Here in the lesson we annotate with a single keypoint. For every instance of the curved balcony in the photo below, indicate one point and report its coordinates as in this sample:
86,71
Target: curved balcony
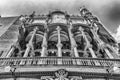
39,66
62,22
41,21
65,61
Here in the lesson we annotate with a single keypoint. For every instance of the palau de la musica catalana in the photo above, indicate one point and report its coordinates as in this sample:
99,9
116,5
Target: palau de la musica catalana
57,46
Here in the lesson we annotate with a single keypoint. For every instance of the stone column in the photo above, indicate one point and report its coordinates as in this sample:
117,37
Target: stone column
30,43
72,41
27,50
103,46
44,45
11,51
89,46
59,45
101,43
115,51
108,53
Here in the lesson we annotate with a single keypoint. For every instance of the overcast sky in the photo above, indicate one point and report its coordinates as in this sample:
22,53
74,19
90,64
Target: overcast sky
108,11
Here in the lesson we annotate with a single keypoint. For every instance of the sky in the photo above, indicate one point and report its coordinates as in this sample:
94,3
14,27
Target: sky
108,11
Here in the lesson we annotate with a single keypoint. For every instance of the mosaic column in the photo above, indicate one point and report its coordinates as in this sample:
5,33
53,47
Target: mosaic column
73,43
89,46
30,44
59,45
100,43
11,51
44,45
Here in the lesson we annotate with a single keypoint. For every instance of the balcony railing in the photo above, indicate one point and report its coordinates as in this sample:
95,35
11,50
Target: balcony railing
58,61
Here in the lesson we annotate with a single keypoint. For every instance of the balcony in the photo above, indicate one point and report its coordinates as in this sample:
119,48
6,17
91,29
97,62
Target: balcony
42,21
40,66
58,61
57,22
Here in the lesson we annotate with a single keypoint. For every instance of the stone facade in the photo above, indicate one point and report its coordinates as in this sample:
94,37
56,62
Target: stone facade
57,46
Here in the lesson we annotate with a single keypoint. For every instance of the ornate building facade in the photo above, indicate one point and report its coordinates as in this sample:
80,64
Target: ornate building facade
57,46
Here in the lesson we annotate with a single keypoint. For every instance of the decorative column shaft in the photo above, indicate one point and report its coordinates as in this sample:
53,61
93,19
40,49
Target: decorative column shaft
100,43
59,45
88,43
72,40
114,53
30,44
44,45
108,53
11,51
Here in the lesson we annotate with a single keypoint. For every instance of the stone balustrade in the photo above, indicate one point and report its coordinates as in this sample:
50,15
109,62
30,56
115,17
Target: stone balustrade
54,61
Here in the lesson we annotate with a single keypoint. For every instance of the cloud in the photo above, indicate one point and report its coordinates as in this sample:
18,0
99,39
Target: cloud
106,10
114,12
10,7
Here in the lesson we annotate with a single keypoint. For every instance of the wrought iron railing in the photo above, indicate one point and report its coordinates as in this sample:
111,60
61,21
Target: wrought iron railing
58,61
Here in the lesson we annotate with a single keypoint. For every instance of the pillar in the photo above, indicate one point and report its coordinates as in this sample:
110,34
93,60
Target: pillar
114,53
29,45
72,41
44,45
108,53
101,43
10,51
59,45
88,43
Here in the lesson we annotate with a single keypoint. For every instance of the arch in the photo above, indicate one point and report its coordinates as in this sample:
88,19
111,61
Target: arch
63,32
54,37
55,32
78,37
54,26
39,32
41,27
38,37
35,24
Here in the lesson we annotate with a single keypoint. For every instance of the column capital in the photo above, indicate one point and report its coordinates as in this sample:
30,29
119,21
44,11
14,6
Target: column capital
35,29
29,45
58,28
69,28
59,45
44,45
81,29
74,45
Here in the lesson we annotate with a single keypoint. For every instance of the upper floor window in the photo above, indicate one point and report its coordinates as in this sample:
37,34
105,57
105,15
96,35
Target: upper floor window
58,19
82,21
39,21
